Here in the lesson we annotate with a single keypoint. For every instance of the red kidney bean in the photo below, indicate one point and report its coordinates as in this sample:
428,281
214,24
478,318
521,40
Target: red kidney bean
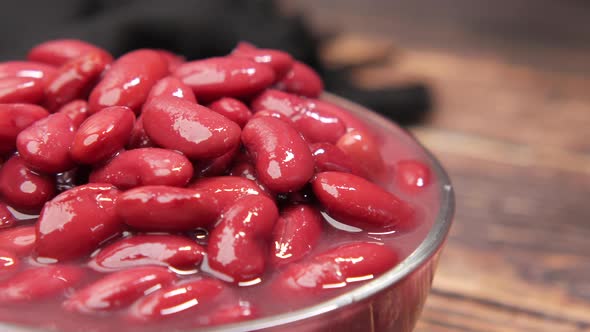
302,80
233,313
13,119
77,221
40,283
226,189
143,167
328,157
295,234
329,109
119,289
163,208
337,268
30,69
281,156
232,109
278,101
19,240
21,90
58,52
173,300
171,86
24,189
238,244
280,62
7,220
214,78
361,147
139,250
173,60
355,201
411,175
76,110
217,166
311,122
272,114
192,129
246,170
45,145
9,263
138,138
102,135
76,78
128,81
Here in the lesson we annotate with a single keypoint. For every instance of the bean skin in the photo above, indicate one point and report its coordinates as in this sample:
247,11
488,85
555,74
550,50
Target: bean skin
128,81
314,124
7,220
140,250
30,69
173,60
329,157
336,268
14,118
233,313
40,283
19,240
76,78
171,86
219,77
280,62
295,234
355,201
238,244
411,176
139,138
102,135
77,110
169,209
118,290
217,166
21,90
362,147
226,189
144,167
24,189
232,109
281,156
77,221
302,80
174,300
45,145
59,51
9,263
192,129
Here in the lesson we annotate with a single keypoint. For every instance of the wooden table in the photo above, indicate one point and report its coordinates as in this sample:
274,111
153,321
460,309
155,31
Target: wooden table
512,126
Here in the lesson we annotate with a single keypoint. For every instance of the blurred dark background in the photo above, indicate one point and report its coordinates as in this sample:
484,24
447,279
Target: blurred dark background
497,90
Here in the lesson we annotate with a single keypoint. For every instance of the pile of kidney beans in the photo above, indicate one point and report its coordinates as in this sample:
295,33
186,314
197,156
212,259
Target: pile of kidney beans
167,188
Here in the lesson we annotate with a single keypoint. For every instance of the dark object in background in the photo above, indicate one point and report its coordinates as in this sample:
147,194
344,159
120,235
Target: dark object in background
195,29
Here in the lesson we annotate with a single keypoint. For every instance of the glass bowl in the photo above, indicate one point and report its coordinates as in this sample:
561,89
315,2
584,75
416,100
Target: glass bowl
390,302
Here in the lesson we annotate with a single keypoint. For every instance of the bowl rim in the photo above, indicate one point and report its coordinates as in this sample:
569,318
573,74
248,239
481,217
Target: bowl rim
428,247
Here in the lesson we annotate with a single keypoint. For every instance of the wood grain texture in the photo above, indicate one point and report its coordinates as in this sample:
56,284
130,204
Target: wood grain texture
512,127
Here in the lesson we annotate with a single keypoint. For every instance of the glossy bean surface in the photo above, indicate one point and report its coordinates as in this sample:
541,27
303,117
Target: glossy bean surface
21,90
145,167
192,129
232,109
281,156
19,240
355,201
164,208
128,81
77,221
39,283
102,135
45,145
14,118
58,52
24,189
